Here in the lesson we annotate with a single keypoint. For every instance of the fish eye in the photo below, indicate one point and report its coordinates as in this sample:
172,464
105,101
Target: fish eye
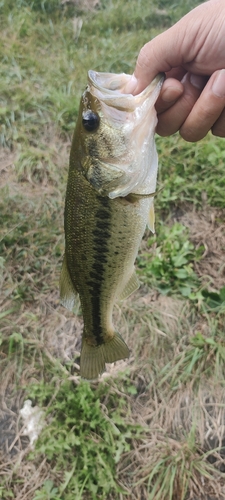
90,121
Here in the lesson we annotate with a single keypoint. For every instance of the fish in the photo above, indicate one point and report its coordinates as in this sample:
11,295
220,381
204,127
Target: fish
109,201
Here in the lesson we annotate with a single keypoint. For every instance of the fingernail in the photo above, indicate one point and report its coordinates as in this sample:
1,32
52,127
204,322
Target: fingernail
131,85
218,86
197,81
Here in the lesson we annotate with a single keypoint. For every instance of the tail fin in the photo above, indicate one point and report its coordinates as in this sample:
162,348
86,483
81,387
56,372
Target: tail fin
93,359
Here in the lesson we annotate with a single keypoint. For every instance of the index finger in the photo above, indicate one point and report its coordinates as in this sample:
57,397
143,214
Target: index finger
158,55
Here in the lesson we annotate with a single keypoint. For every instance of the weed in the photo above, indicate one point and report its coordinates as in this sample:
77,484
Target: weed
47,492
190,173
214,300
81,435
170,266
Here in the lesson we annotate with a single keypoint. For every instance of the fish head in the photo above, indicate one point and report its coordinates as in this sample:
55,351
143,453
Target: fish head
116,135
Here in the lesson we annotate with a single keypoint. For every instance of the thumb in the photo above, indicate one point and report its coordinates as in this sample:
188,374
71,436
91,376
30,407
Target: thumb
176,47
159,55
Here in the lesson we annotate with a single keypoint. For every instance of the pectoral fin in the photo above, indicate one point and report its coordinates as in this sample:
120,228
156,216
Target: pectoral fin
67,290
130,287
151,218
133,197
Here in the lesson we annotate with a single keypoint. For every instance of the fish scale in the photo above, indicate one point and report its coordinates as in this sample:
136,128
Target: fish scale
102,232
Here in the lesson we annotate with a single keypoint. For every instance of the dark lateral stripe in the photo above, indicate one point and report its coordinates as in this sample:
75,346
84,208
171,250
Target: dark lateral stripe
101,234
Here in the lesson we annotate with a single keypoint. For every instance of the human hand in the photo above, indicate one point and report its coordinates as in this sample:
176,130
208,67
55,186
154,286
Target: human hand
192,54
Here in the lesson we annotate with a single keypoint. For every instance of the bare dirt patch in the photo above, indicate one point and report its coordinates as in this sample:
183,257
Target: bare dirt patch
207,228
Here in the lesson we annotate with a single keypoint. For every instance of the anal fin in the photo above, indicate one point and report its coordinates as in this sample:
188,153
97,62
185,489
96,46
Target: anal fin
131,286
67,290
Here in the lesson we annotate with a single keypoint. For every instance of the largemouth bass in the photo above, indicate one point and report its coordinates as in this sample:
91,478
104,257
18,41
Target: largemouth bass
109,201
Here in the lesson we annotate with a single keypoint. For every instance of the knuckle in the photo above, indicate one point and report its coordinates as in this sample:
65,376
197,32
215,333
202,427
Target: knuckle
143,58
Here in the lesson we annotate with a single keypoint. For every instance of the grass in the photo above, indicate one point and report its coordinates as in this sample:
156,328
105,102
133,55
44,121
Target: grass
193,171
170,266
153,426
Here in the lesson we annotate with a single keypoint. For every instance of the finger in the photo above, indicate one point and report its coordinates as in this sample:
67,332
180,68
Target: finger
171,120
218,128
177,73
176,47
171,91
160,55
207,110
155,57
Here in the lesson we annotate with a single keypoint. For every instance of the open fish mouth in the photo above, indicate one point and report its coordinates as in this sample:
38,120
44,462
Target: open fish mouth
108,87
134,117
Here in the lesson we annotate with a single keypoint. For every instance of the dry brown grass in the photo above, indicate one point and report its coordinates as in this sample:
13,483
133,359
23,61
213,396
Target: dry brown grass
84,5
181,423
207,228
155,327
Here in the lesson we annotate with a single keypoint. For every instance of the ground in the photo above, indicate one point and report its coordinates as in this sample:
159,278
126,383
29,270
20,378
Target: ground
154,423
